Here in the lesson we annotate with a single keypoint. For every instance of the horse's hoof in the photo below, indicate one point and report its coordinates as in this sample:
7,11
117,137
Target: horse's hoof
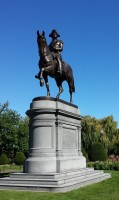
57,97
71,102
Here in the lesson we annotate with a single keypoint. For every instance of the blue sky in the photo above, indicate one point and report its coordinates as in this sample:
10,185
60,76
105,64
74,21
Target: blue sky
90,31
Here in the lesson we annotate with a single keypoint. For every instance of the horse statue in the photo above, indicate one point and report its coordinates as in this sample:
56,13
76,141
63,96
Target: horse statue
48,67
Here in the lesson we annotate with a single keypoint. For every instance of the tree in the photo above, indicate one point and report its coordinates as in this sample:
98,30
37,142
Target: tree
13,131
109,126
114,144
90,133
110,137
23,135
8,128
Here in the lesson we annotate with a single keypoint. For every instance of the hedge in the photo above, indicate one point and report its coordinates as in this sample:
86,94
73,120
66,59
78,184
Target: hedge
19,158
97,152
106,165
4,159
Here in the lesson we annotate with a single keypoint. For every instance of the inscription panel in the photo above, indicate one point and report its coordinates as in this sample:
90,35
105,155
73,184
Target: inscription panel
69,138
43,137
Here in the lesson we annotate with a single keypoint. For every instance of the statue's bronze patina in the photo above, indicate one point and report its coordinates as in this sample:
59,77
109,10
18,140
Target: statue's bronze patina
51,63
56,46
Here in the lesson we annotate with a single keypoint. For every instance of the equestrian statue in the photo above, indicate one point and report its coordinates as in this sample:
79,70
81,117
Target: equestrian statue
51,63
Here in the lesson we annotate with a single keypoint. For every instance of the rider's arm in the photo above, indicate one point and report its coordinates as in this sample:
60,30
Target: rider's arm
59,46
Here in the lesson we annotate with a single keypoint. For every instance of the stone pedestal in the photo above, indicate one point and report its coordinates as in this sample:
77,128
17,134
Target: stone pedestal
55,137
55,162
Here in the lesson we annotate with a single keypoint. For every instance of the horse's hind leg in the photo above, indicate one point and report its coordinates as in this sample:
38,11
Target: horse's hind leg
47,85
60,91
70,96
48,89
70,91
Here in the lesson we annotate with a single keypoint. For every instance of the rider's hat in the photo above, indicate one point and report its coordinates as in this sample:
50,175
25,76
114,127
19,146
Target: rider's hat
54,34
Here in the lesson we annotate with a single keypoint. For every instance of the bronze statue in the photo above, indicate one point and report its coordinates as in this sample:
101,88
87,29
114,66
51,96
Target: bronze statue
51,64
56,46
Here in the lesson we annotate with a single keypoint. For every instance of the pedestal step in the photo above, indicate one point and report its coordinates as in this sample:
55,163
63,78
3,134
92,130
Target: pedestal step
57,182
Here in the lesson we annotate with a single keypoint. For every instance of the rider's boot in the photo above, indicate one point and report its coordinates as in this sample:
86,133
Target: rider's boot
59,70
37,76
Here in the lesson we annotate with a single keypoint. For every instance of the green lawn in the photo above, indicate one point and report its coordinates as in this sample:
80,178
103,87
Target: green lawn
5,170
9,168
105,190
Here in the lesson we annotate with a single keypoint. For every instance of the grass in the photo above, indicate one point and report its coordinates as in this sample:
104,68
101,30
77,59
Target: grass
105,190
9,168
6,169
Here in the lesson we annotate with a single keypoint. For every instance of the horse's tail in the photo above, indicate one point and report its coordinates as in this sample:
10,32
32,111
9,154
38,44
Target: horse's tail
71,83
73,86
69,76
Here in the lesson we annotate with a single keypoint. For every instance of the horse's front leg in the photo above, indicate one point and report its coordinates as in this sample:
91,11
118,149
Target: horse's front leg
40,77
47,85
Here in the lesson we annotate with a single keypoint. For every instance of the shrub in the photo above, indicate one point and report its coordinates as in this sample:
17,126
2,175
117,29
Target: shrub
19,158
106,165
85,154
97,152
117,150
4,159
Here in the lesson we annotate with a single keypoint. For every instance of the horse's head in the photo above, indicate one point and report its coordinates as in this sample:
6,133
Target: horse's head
42,46
41,39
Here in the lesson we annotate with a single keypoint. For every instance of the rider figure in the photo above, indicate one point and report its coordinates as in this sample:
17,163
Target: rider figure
56,46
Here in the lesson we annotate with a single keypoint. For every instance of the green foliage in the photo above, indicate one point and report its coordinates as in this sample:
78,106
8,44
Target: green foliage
106,165
14,131
114,150
97,152
117,150
19,158
23,135
103,130
85,154
109,126
89,132
4,159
